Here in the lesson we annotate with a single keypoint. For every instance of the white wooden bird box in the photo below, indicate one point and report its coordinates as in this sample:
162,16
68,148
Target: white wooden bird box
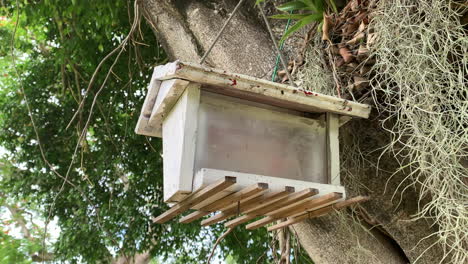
216,124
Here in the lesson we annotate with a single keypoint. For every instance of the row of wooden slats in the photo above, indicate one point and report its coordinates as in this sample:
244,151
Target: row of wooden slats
256,201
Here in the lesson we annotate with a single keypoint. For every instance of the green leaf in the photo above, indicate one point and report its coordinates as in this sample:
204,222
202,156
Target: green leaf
310,4
289,16
333,5
292,6
259,2
319,5
319,27
302,23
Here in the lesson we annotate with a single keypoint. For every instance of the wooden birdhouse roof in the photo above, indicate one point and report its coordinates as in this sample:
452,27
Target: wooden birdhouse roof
170,80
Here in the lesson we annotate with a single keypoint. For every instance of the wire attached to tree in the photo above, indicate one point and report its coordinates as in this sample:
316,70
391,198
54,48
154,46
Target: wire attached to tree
221,31
283,61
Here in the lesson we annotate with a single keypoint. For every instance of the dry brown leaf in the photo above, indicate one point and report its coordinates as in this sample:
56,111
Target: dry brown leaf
347,8
334,50
371,38
360,83
345,54
354,5
362,52
351,67
362,27
350,27
362,17
365,69
357,38
327,24
338,21
339,62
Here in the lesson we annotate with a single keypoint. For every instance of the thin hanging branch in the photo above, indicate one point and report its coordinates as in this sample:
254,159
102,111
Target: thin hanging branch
217,242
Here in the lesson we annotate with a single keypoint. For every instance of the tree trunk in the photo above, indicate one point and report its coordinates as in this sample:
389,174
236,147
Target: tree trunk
381,230
139,258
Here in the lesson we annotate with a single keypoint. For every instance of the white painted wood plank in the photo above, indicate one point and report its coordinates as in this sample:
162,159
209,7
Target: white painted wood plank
206,176
333,149
142,127
153,88
169,93
267,91
179,140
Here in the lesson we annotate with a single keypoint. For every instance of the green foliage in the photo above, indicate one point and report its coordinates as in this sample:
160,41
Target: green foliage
13,250
13,247
114,183
310,11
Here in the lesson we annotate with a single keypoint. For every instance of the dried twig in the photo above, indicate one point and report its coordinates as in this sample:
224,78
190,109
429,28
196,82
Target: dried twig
217,242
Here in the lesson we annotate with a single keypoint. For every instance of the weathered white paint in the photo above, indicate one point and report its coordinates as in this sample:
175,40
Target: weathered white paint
179,140
333,148
171,93
144,127
236,85
265,91
153,88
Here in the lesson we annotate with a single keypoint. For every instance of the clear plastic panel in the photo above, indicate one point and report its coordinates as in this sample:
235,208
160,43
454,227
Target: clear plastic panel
242,136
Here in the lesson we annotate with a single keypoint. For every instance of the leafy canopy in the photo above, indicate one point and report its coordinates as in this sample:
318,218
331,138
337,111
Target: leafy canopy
104,196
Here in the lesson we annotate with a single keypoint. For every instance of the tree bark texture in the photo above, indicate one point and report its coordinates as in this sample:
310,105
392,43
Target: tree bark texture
139,258
380,230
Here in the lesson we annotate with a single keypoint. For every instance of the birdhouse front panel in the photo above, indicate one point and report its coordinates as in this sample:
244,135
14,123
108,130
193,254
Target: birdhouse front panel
243,136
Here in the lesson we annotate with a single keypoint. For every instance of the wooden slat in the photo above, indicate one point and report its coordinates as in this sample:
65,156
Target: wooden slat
249,204
206,176
247,192
179,144
333,149
313,204
168,95
319,212
195,198
304,205
252,88
292,198
143,126
271,206
242,206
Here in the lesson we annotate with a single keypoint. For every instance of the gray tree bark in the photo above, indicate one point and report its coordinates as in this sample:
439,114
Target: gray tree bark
139,258
380,231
